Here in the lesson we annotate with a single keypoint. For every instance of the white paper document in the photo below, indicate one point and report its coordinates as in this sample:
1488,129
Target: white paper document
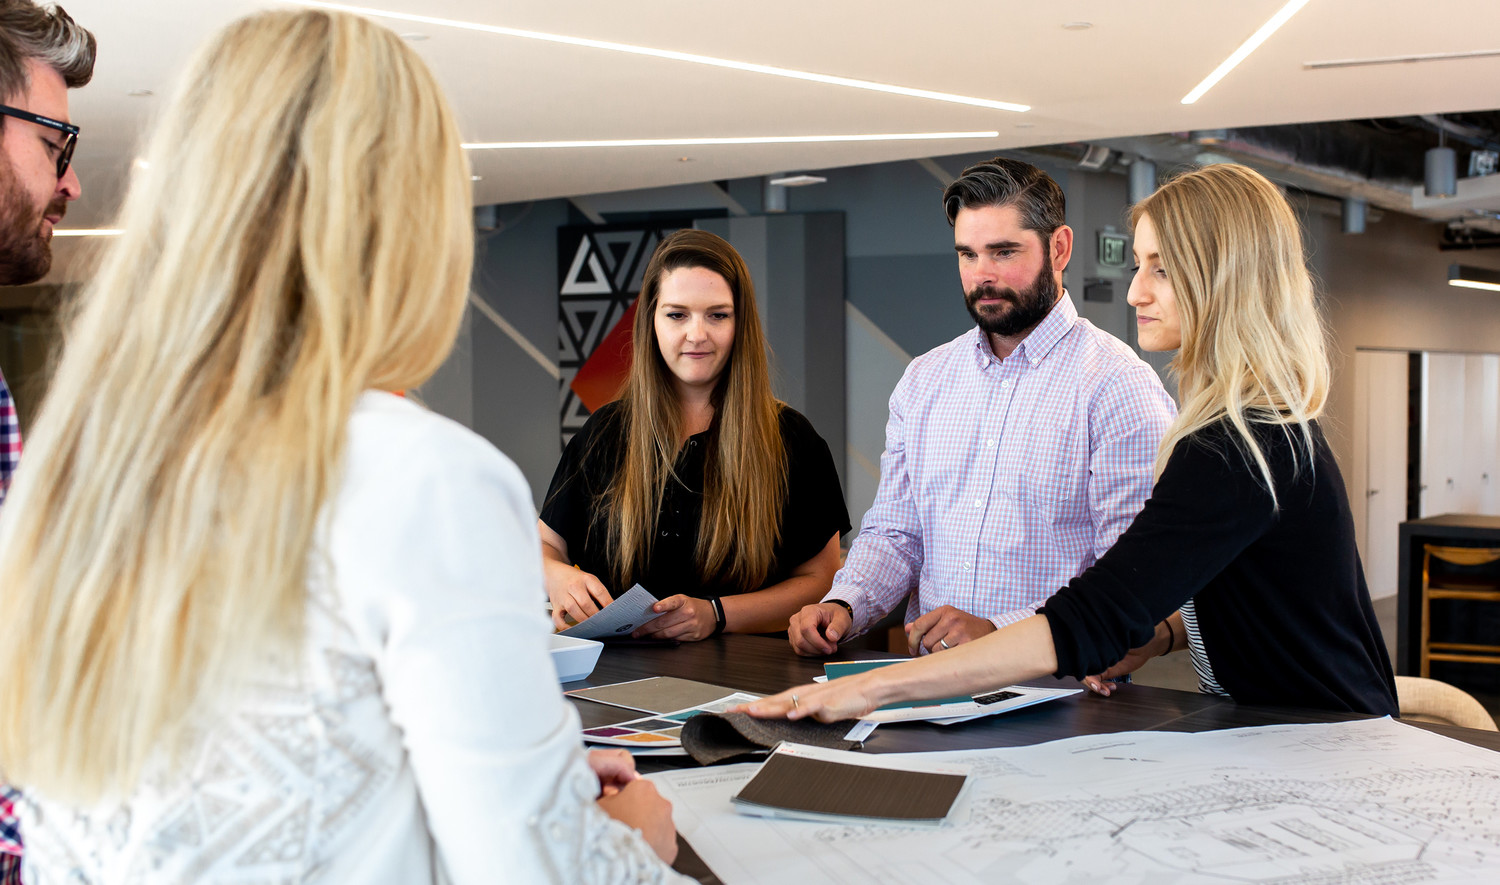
619,618
954,711
988,704
1371,802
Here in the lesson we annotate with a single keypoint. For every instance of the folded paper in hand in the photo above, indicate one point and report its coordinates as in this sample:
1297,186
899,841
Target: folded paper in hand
620,618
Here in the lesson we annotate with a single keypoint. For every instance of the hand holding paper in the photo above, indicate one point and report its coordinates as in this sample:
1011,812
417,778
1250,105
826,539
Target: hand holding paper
680,617
575,594
619,618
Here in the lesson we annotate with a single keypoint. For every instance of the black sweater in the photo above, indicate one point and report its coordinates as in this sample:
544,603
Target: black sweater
813,511
1283,610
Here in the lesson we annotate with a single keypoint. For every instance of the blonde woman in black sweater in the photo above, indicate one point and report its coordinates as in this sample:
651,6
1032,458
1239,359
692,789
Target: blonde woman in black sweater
1248,530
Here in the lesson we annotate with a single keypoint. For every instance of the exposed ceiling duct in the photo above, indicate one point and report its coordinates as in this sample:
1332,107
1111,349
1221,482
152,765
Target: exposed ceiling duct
1380,162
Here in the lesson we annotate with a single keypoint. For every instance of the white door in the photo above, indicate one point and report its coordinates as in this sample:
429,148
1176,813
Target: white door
1443,427
1481,468
1377,488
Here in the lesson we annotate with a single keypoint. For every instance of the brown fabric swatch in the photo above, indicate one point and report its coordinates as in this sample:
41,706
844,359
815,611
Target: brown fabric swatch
825,789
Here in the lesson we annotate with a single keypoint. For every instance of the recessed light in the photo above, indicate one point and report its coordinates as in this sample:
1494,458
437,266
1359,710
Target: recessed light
476,178
1077,26
140,93
673,55
413,37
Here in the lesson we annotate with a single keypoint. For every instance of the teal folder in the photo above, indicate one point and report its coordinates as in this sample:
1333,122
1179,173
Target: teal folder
849,668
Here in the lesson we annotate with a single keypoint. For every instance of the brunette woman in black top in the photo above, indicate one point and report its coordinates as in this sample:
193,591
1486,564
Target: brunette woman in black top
1248,529
697,483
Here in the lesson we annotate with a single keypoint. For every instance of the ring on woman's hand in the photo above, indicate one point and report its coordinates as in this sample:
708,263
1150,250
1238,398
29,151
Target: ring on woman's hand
944,643
794,702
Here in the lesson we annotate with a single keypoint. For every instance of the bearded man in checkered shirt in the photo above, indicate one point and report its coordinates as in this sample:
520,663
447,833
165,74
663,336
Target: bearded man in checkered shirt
43,54
1015,454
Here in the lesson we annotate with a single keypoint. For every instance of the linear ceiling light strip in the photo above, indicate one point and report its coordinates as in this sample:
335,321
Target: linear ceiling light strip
1249,46
693,142
1399,59
750,67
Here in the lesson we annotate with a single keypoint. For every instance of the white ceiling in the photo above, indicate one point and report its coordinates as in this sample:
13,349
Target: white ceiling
1123,76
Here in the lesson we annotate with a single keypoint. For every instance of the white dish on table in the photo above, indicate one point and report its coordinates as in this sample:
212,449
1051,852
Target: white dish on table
574,658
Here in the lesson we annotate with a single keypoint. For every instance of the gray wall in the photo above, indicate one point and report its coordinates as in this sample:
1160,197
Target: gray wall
1383,289
796,261
898,297
1388,288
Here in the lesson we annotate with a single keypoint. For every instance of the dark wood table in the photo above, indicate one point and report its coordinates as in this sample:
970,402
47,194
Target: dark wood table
1450,529
764,666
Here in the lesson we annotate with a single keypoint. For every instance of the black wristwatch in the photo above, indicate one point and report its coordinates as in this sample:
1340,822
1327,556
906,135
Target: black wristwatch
719,619
846,606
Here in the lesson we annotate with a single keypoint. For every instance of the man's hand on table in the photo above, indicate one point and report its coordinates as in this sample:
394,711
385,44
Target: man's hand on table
943,628
817,628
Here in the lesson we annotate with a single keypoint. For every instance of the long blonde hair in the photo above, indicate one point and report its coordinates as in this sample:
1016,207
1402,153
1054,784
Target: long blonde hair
301,235
744,480
1253,346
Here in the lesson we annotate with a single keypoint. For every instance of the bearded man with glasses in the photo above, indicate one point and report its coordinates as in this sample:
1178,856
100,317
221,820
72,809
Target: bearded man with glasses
43,54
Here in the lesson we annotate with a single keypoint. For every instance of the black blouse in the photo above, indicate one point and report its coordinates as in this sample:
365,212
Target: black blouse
1282,605
814,509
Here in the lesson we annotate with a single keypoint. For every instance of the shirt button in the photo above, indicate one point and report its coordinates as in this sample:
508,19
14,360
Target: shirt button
967,566
990,443
979,503
1005,383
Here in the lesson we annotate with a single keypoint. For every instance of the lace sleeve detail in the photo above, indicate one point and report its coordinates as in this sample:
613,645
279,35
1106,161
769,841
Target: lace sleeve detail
581,845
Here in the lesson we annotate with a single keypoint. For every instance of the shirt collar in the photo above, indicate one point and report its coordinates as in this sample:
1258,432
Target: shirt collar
1035,346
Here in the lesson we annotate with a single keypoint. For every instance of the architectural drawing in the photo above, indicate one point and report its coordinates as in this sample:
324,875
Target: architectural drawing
1356,803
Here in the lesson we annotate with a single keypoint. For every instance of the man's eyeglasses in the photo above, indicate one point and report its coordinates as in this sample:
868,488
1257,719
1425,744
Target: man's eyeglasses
65,156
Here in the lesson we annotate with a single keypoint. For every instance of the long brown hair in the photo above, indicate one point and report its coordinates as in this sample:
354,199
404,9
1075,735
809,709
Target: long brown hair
744,477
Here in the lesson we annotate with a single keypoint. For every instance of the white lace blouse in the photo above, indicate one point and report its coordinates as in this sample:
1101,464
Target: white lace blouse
421,738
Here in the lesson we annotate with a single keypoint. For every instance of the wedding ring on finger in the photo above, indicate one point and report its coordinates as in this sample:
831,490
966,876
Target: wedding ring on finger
794,702
944,644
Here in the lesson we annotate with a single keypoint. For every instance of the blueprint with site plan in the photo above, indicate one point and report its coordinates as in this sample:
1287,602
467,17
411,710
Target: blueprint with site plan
1372,802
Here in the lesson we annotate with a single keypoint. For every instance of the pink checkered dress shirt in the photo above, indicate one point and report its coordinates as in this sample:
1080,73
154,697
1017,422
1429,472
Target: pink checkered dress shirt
10,438
1001,480
10,829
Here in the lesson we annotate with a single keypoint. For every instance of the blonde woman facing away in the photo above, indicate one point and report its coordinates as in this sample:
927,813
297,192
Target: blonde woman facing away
1248,529
697,483
262,622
